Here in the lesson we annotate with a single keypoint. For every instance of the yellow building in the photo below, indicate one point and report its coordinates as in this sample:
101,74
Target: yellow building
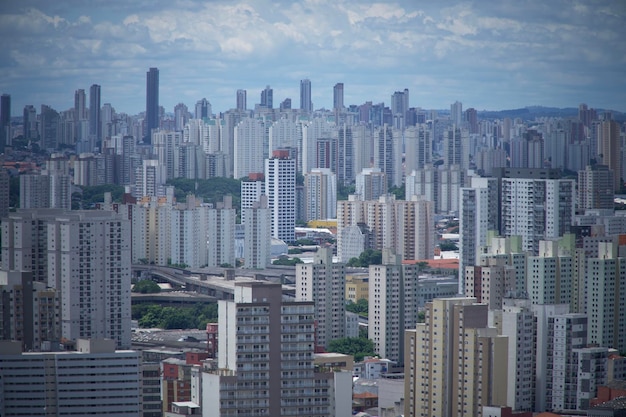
357,286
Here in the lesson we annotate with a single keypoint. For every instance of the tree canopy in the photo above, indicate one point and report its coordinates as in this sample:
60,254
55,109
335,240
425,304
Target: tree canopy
359,347
367,258
360,307
156,316
287,262
146,286
212,190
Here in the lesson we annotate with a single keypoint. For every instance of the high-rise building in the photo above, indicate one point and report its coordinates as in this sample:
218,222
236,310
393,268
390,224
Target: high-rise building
392,305
221,233
85,256
256,220
456,113
95,125
29,310
189,234
338,96
344,162
406,227
321,194
249,140
242,101
306,104
150,179
520,199
606,296
80,116
59,383
5,191
30,122
152,104
388,153
45,191
49,127
399,108
596,188
371,183
5,120
418,144
455,363
477,215
203,109
280,188
609,145
267,97
265,361
324,283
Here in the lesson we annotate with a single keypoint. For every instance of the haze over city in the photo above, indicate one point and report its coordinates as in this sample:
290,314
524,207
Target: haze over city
489,56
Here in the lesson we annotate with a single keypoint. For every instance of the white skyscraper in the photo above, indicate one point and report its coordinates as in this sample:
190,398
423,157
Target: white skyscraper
520,199
280,188
371,183
388,153
257,234
324,283
321,194
418,147
456,113
393,305
251,192
249,147
150,179
221,234
189,234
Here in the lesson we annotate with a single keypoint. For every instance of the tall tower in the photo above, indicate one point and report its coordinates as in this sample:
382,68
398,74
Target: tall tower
280,188
152,103
324,283
338,96
203,109
455,362
305,96
267,97
242,100
456,113
257,233
399,107
596,188
95,129
5,120
609,149
265,361
321,194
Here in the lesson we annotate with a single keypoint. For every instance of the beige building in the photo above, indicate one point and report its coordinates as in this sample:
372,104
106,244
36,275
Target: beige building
357,287
450,361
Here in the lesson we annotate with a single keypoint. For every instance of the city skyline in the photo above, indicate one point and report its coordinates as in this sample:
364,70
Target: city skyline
485,56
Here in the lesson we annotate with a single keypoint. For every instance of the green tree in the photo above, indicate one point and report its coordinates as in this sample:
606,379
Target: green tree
448,246
358,347
212,190
360,307
343,191
287,262
367,258
146,286
399,192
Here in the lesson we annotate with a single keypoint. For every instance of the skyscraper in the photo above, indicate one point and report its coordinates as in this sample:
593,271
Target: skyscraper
203,109
30,122
456,113
152,103
241,100
265,361
609,149
267,97
455,363
95,130
280,188
399,107
305,95
321,194
595,188
338,96
5,120
324,283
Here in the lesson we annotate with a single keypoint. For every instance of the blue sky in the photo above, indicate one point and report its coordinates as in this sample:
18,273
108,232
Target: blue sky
488,55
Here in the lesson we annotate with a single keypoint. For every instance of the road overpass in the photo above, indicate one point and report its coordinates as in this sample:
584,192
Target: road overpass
215,282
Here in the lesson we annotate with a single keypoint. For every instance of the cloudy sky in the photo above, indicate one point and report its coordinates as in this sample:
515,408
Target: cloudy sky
488,55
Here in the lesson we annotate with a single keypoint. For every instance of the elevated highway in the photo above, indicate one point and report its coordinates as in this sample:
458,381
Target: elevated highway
217,282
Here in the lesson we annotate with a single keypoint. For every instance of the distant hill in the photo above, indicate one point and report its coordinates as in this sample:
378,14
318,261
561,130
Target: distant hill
532,112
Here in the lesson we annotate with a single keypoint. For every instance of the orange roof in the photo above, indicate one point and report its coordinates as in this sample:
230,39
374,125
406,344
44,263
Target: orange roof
436,263
365,395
